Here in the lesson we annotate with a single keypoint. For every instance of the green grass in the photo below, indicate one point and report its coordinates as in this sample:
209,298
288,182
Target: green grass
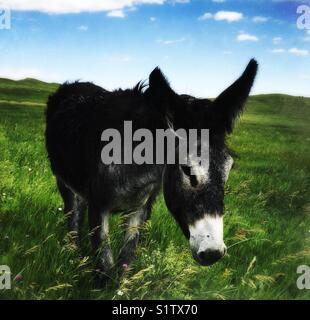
266,221
28,90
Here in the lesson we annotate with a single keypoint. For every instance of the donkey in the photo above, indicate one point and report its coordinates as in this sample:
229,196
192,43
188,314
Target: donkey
76,116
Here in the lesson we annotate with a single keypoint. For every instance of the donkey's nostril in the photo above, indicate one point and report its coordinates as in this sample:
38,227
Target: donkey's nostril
201,255
209,257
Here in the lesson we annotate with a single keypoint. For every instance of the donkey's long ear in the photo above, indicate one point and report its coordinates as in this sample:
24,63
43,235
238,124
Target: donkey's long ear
159,87
229,104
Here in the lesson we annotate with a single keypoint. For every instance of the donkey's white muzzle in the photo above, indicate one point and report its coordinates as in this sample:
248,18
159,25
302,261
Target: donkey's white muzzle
206,239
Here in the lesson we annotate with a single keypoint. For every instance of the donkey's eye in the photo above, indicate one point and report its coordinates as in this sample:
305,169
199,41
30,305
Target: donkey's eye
186,170
192,178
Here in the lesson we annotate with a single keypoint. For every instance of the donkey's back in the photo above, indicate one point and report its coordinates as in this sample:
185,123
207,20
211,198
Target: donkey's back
76,116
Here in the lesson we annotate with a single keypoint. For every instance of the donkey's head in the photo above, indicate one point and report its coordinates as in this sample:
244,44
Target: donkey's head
194,194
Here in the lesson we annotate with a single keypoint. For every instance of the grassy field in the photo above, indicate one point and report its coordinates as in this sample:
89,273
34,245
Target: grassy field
267,216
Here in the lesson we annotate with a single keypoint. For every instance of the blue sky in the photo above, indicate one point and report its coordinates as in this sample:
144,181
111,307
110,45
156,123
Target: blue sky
201,45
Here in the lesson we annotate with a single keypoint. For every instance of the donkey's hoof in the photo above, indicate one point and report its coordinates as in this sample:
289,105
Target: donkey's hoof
123,267
102,277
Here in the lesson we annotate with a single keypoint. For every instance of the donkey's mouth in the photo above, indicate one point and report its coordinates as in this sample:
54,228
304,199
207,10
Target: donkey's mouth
208,257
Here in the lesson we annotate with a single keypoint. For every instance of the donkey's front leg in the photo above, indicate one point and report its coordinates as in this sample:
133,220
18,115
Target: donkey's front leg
99,232
133,223
128,251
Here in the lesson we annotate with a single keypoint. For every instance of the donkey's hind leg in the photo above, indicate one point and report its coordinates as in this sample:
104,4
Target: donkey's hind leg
74,209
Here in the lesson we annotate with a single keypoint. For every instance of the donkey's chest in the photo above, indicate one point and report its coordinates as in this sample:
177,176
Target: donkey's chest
132,192
129,201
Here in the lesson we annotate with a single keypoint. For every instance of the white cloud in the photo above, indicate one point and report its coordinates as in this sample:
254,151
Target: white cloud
168,42
294,51
20,73
260,19
153,19
246,37
278,51
82,28
299,52
218,1
276,40
229,16
74,6
206,16
116,14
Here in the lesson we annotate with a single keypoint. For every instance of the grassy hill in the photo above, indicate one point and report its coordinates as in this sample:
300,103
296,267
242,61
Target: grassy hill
266,221
26,90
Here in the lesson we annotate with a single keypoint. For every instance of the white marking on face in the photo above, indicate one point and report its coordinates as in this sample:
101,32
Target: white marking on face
200,172
207,234
227,167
